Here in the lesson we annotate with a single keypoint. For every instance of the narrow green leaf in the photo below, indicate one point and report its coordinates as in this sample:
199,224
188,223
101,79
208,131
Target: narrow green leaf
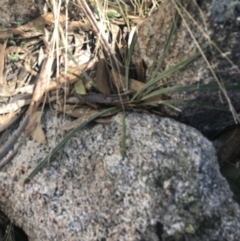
112,16
189,88
166,47
63,142
165,74
123,13
187,102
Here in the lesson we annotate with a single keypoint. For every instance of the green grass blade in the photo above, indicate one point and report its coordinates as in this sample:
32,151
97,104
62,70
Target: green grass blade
187,102
165,74
64,141
166,47
123,140
124,14
9,233
189,88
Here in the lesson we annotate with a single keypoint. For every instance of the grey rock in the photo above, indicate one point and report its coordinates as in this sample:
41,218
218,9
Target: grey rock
214,26
223,11
18,12
168,187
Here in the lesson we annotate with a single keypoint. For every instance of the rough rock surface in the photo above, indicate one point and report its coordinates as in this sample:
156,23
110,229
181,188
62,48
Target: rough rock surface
167,188
213,27
15,12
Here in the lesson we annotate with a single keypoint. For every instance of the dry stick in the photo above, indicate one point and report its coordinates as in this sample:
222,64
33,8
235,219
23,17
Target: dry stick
11,141
14,119
41,87
87,11
9,158
42,82
13,154
2,54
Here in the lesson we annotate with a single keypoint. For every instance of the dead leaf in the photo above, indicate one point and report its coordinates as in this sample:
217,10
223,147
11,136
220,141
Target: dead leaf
103,120
40,22
84,113
101,79
120,82
74,111
8,33
33,28
37,132
78,25
38,135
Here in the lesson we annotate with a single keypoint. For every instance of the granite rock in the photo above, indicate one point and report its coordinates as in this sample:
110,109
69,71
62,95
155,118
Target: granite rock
168,187
18,12
206,26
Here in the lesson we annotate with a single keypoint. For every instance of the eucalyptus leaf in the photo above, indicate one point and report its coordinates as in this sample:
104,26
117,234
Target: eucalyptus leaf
79,87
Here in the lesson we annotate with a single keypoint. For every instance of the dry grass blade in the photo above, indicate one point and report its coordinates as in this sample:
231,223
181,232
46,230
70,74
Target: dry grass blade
110,54
43,78
11,141
221,86
8,119
14,105
2,54
124,14
79,68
